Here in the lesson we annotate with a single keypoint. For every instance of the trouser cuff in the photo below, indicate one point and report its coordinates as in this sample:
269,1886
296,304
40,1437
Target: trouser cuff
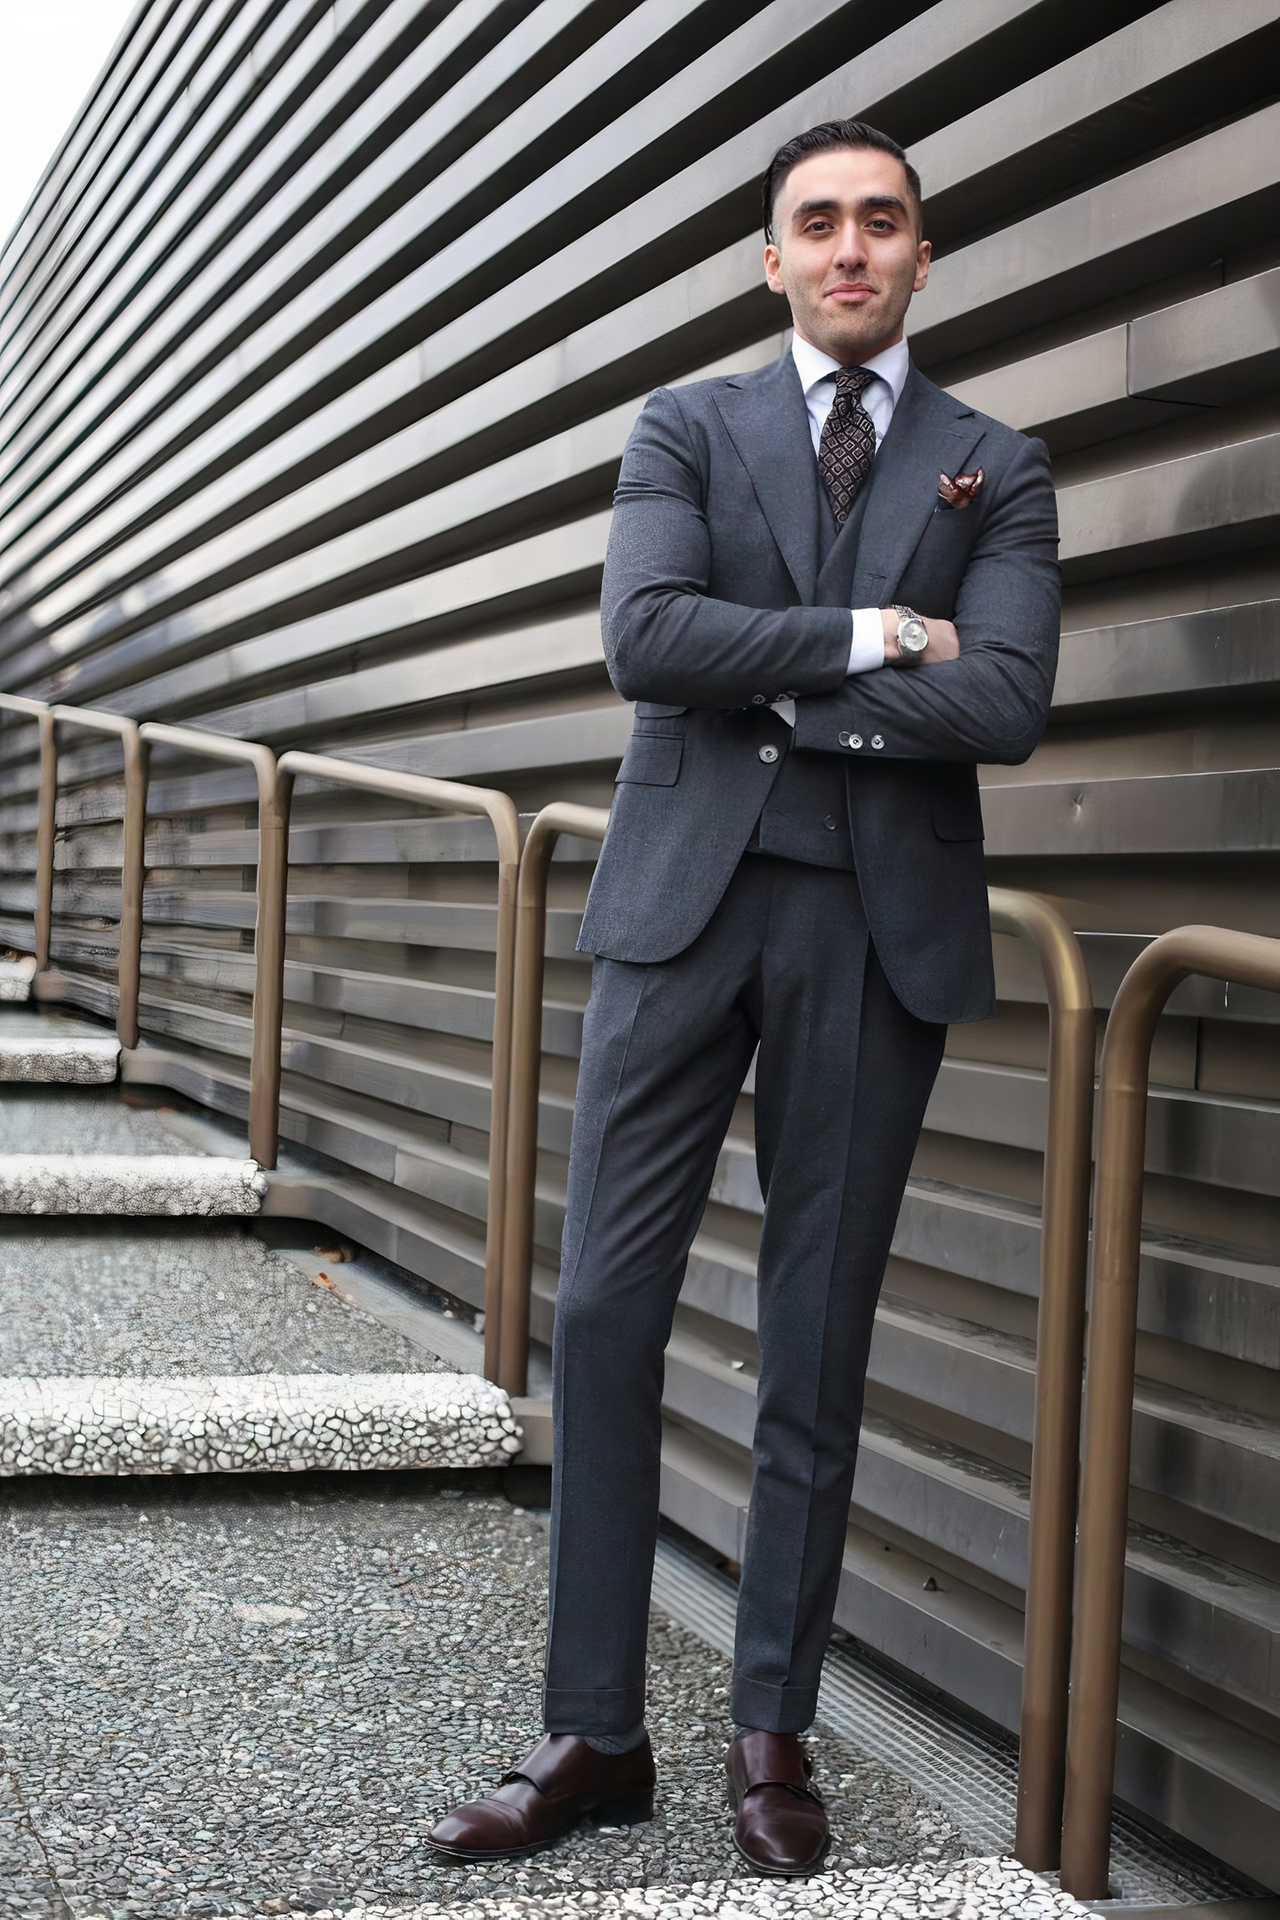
753,1703
591,1710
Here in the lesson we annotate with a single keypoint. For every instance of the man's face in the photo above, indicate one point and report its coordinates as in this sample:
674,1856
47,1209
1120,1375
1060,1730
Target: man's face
846,251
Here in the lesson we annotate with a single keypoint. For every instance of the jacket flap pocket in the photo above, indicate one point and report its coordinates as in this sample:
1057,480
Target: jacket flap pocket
957,806
652,760
654,710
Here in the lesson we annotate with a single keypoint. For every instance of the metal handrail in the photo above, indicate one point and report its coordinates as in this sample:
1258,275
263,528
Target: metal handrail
452,797
589,823
133,871
268,985
1064,1252
46,817
1244,959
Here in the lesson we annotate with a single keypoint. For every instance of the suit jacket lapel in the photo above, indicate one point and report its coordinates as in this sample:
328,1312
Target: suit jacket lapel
766,418
930,434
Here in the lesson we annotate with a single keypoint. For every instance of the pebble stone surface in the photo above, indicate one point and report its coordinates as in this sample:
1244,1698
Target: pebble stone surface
162,1298
992,1889
253,1423
255,1695
68,1062
129,1183
82,1150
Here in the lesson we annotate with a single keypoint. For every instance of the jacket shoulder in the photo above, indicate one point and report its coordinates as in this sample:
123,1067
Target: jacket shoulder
697,399
1001,441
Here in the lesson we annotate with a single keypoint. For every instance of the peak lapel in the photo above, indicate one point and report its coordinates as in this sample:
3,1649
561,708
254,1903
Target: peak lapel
766,418
930,434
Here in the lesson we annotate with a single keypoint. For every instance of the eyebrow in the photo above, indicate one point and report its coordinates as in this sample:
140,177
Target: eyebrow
873,202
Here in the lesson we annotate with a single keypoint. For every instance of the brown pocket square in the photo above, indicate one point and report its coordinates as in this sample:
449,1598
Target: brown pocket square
962,490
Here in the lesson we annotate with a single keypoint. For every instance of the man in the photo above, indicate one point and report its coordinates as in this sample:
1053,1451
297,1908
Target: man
793,871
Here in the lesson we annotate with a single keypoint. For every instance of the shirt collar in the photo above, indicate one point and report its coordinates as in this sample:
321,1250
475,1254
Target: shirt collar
813,366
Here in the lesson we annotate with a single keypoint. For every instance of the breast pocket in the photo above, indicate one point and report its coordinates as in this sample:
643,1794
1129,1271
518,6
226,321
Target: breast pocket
652,760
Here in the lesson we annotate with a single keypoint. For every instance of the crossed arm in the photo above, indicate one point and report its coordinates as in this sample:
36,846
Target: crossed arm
668,640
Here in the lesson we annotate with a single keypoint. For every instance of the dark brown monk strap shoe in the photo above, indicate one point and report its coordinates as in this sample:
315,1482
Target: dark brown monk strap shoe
781,1826
562,1780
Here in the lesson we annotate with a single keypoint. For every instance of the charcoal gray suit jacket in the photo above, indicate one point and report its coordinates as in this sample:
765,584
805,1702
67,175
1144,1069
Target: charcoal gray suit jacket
717,602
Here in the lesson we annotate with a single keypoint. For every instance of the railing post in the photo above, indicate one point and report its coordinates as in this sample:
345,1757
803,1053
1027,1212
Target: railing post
1249,960
46,818
268,988
1064,1249
46,839
452,797
526,1063
133,872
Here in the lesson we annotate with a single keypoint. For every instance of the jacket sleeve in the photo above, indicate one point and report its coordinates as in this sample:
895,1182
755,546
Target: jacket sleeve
666,638
992,702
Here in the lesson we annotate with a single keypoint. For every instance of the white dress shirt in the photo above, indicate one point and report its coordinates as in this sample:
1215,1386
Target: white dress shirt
818,373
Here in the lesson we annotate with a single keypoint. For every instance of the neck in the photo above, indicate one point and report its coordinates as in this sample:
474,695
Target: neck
848,356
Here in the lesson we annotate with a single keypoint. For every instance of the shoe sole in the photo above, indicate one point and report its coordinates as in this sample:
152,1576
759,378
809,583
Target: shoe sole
628,1811
782,1873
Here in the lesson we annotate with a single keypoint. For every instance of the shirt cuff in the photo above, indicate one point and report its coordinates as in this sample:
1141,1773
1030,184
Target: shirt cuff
866,650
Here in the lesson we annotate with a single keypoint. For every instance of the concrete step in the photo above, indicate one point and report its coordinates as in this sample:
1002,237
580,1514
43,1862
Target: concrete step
246,1423
122,1183
48,1048
1178,1763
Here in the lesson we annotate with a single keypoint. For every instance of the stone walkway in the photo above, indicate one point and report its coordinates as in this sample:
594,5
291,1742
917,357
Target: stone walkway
233,1696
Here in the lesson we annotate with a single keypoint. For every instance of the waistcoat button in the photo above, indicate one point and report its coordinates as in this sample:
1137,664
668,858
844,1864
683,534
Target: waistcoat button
768,755
758,700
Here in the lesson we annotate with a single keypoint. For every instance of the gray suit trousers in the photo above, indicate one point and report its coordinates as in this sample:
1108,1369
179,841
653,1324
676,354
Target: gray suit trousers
842,1079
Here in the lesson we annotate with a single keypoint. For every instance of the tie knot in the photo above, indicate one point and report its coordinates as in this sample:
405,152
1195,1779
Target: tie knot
851,383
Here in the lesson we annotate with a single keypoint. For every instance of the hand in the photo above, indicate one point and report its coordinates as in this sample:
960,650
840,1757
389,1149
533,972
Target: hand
944,641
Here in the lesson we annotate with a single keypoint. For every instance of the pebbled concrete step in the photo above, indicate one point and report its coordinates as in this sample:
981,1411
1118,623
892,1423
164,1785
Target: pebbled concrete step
123,1183
43,1048
247,1423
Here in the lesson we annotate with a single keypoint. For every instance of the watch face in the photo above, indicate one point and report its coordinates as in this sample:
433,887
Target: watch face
913,636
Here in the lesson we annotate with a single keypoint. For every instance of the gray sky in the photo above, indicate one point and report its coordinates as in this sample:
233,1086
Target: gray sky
52,53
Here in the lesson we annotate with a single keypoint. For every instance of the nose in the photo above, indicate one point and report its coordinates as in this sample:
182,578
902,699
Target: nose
852,252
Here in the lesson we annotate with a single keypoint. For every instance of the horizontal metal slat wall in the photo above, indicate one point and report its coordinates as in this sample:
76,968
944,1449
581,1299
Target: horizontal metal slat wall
319,344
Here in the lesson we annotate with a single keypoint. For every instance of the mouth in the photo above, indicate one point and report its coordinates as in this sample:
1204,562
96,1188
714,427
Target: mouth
851,293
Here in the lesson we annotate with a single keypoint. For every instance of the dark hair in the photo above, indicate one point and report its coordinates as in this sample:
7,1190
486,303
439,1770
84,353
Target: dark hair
827,138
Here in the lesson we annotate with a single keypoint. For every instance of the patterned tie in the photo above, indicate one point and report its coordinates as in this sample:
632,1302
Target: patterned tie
848,444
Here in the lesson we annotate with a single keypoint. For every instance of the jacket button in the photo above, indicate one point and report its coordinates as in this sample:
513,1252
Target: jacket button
758,700
768,755
855,739
877,739
830,823
844,739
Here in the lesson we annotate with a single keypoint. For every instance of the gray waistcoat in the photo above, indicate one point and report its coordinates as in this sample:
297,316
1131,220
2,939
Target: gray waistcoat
806,816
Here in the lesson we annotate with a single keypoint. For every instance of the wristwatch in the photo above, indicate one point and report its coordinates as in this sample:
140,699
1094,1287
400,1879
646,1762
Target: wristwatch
913,636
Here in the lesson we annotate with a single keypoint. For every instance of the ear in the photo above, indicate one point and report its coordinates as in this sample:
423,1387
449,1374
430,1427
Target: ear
773,268
924,254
